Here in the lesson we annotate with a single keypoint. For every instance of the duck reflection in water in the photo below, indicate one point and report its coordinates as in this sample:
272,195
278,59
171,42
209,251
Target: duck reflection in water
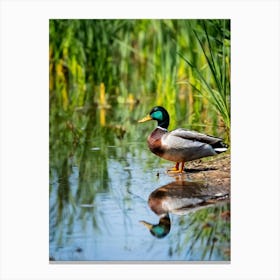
161,229
180,197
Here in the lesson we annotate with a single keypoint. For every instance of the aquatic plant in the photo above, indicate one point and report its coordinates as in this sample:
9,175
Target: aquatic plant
211,76
138,60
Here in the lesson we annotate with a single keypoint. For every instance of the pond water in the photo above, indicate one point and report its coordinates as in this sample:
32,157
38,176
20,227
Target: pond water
101,177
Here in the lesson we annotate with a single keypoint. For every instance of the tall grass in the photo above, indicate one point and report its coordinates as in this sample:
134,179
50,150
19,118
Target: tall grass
183,65
212,73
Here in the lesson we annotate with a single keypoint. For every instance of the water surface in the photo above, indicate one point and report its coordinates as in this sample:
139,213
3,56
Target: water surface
101,176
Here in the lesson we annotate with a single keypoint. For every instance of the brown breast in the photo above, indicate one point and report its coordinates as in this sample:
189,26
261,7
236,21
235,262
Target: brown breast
154,141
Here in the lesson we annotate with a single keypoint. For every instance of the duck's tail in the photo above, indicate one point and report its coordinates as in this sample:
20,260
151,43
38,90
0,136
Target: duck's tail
219,147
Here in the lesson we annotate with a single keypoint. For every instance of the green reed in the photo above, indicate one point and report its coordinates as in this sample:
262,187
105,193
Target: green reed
211,75
181,64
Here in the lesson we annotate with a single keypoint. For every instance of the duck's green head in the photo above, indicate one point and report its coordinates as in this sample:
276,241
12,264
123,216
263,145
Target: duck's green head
159,114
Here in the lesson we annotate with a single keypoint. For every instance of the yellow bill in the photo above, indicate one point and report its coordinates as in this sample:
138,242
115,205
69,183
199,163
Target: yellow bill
147,118
147,225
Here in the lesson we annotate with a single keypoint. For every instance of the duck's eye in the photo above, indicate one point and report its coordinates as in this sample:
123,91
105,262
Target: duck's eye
157,115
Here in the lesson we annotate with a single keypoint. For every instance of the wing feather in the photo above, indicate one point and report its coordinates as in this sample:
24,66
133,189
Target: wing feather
194,136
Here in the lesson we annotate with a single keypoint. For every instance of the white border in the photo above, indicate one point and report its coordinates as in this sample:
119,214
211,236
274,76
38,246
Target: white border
24,138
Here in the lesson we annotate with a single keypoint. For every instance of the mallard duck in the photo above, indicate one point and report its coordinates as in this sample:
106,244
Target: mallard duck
179,145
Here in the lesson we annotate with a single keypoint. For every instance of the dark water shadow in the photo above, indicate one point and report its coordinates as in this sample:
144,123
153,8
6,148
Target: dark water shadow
196,170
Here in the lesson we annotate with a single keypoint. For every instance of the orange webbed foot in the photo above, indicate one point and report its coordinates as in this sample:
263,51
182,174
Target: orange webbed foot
176,168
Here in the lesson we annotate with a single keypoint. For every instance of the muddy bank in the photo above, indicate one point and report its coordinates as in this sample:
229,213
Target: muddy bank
213,173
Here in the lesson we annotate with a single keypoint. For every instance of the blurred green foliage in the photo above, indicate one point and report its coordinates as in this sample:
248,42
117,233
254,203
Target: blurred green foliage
184,62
